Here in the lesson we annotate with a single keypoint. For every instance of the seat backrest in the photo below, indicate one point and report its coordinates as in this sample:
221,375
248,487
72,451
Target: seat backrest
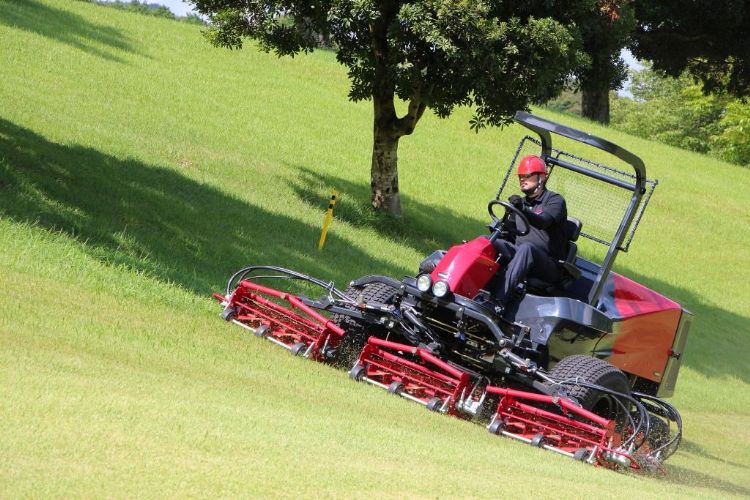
573,228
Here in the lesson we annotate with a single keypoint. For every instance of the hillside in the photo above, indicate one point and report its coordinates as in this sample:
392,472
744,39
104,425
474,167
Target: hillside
140,167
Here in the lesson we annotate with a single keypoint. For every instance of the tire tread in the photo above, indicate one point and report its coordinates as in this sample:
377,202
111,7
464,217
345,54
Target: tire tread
357,331
591,370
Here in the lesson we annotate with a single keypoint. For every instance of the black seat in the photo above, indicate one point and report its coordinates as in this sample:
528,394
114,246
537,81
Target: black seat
570,272
573,228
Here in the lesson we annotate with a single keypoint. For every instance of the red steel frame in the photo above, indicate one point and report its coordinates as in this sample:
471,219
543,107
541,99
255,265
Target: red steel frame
282,324
425,378
568,432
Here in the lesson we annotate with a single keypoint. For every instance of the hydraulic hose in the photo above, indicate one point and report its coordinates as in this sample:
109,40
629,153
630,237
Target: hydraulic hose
285,274
643,417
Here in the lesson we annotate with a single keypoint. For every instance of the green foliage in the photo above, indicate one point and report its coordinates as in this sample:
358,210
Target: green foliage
148,10
437,53
732,143
603,39
672,111
705,37
140,8
568,101
675,111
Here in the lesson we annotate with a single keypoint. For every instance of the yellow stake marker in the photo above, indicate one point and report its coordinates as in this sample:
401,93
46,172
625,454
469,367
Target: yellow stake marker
327,221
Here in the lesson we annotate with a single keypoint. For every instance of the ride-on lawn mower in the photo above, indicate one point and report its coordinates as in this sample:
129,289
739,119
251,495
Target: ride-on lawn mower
579,366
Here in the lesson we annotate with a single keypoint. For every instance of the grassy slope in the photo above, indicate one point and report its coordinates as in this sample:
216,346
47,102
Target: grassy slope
139,167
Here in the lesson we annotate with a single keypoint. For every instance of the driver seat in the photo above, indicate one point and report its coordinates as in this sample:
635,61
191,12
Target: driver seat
570,272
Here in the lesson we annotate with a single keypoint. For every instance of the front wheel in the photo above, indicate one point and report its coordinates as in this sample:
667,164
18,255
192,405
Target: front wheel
356,331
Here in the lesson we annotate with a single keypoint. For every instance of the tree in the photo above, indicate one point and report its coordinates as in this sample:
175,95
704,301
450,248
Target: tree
669,110
676,111
733,141
437,54
709,38
605,33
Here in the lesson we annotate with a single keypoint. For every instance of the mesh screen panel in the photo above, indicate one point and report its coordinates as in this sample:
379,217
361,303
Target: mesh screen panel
598,204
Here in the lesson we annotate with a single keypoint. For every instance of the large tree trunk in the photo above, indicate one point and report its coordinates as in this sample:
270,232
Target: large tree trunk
384,172
384,169
595,103
387,130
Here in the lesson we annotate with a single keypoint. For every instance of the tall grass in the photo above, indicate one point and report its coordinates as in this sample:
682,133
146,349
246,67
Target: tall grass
139,167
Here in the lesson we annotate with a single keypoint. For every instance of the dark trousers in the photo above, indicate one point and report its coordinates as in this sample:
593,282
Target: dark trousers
523,261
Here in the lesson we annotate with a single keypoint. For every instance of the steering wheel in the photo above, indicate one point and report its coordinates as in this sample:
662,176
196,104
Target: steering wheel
510,209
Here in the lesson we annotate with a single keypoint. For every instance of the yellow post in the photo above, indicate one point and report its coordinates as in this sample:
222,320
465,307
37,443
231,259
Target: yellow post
327,221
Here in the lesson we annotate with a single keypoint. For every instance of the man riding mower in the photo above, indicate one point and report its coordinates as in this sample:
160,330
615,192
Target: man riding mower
569,355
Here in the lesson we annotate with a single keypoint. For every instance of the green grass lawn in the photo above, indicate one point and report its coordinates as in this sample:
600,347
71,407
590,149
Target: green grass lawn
140,167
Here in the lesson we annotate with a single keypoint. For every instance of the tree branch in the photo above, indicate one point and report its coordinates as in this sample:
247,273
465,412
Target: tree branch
417,106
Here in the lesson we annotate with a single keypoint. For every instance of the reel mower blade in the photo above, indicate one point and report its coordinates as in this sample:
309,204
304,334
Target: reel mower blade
415,374
573,432
281,318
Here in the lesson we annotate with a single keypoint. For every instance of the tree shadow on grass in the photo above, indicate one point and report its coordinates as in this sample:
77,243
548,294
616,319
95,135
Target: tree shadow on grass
65,27
424,228
155,220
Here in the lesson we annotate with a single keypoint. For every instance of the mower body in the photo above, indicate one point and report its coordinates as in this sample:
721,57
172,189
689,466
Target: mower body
467,268
634,328
580,366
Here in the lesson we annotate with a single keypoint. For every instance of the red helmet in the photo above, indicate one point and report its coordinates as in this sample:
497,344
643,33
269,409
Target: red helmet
531,164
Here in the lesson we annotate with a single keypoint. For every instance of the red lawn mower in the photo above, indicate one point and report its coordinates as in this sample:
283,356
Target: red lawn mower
579,366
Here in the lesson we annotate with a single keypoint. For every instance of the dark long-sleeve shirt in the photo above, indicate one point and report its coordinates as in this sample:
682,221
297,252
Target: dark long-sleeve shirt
547,214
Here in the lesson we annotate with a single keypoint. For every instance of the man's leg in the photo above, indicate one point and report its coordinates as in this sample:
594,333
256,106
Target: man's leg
528,261
506,250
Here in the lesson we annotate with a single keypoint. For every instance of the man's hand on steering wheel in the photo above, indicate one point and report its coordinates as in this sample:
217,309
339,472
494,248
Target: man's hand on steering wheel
516,201
521,227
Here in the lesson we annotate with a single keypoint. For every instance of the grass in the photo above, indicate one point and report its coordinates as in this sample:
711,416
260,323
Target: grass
139,167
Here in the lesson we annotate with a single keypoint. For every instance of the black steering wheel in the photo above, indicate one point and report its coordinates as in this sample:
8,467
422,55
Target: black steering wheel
523,230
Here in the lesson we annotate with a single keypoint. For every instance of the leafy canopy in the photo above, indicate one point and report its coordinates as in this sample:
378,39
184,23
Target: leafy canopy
436,53
604,36
675,111
706,37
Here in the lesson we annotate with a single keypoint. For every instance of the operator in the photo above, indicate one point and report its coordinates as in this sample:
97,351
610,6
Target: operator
537,253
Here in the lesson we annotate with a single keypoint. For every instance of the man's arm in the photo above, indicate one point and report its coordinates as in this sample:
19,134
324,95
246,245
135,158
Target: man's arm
553,211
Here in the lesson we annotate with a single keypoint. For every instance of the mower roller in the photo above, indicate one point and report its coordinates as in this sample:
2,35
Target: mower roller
293,325
427,379
579,367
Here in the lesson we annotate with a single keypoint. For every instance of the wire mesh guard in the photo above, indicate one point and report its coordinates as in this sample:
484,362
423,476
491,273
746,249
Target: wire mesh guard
599,205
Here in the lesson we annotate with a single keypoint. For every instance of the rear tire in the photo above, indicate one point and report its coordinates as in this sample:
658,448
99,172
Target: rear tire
659,434
357,331
593,371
